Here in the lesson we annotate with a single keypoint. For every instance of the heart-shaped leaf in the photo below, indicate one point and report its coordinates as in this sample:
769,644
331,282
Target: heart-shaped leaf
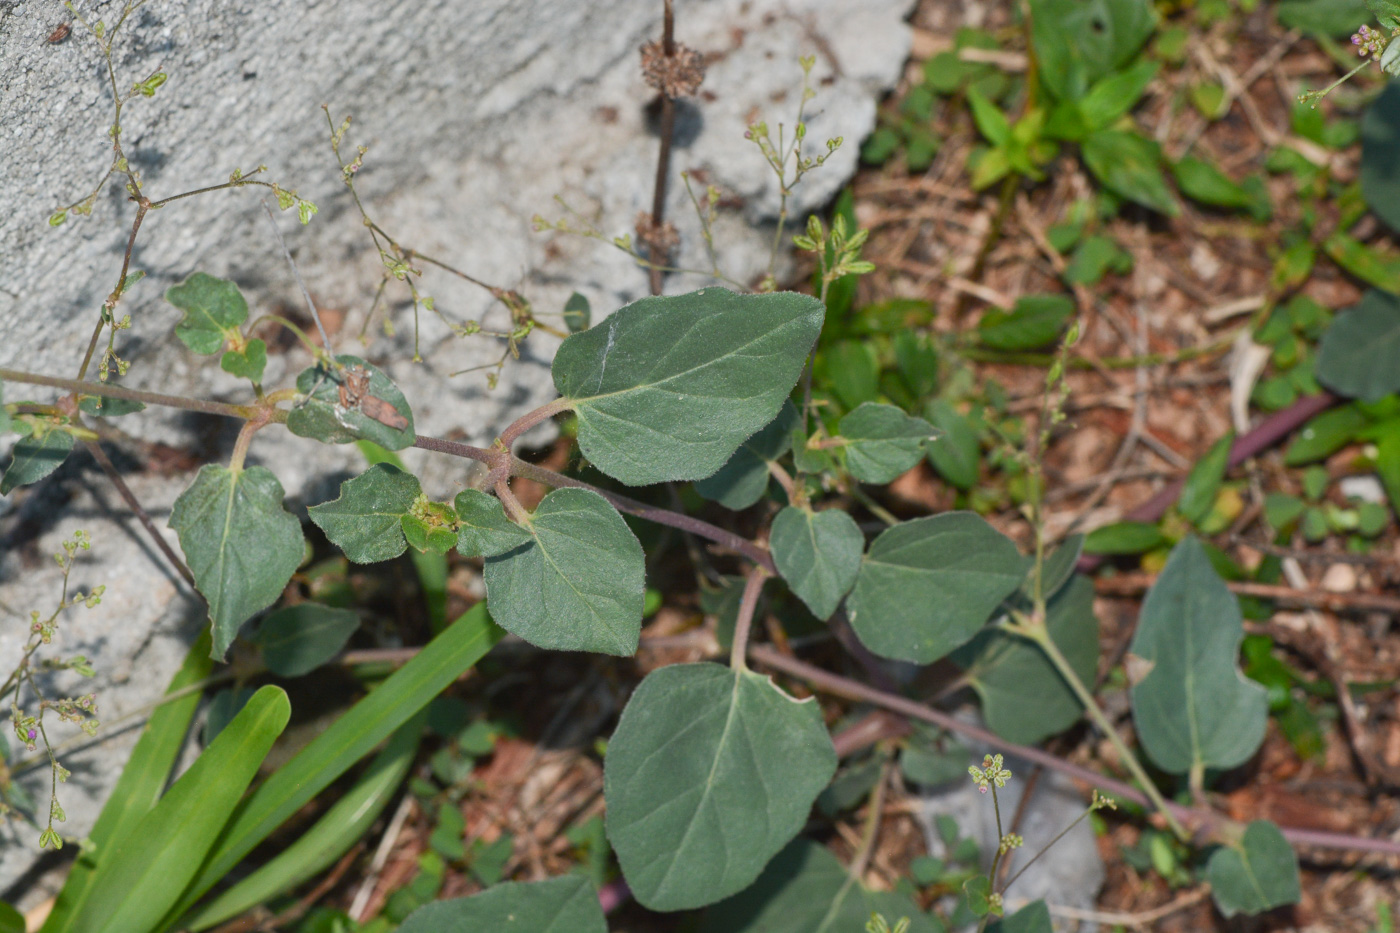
1258,874
1024,698
882,442
240,543
354,402
818,554
1357,355
927,585
298,639
576,583
364,521
214,310
567,904
247,363
1194,709
667,388
35,457
711,771
742,481
805,889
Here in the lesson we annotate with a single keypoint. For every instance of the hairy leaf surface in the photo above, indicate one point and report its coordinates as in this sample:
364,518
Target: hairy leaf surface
298,639
214,310
35,457
818,554
667,388
1357,355
356,402
365,520
927,585
240,543
883,442
710,773
1194,708
743,480
1258,874
568,904
577,581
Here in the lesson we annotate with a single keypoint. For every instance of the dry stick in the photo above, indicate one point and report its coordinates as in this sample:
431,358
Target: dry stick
1200,817
132,503
663,155
1267,433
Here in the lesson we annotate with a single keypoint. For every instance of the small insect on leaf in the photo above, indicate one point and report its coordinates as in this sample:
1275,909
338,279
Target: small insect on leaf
59,33
354,393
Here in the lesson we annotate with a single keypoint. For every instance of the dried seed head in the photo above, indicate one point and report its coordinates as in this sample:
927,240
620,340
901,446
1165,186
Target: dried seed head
676,75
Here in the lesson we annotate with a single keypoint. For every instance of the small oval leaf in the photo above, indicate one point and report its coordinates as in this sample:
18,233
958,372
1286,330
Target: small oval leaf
35,457
1258,874
818,554
883,442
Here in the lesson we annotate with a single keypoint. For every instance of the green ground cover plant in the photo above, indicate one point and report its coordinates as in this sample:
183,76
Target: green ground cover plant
780,406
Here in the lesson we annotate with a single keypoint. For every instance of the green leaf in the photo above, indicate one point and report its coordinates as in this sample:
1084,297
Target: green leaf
357,402
103,407
214,310
1094,258
577,583
1024,698
991,122
710,772
882,442
1124,538
1357,355
427,537
927,585
805,889
1130,166
1203,482
483,528
143,779
298,639
1057,570
11,920
1380,137
1324,435
978,889
35,457
247,363
568,904
1077,42
926,764
240,543
1035,321
315,850
1194,709
1335,19
1368,263
957,452
578,313
1116,94
144,874
851,369
1258,874
1388,464
353,735
1203,182
744,479
668,387
818,555
1033,918
1387,12
364,520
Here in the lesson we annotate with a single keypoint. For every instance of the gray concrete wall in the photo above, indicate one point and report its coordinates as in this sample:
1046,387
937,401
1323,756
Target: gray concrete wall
477,112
